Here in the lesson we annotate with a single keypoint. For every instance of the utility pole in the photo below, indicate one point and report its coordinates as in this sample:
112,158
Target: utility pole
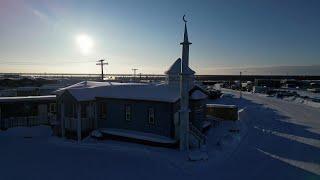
240,84
101,63
134,74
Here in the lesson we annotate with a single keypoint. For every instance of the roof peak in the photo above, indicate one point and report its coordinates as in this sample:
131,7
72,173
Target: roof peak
179,67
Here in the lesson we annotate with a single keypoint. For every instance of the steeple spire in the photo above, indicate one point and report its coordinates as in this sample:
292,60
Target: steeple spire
185,36
185,82
185,44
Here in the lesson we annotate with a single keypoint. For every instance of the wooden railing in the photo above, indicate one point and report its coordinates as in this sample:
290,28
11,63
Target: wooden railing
26,121
197,134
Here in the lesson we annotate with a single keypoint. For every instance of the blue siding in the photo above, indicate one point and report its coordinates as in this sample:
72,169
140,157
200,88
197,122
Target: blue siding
139,116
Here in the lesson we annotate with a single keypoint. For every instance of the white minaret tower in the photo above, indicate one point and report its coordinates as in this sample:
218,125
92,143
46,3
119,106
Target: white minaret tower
185,83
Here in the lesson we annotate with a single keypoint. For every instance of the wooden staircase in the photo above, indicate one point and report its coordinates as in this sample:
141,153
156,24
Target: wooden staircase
193,130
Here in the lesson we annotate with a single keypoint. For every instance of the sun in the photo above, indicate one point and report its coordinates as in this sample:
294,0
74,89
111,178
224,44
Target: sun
85,43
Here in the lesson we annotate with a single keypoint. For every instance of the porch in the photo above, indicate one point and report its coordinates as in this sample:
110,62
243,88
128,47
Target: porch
26,111
26,121
77,120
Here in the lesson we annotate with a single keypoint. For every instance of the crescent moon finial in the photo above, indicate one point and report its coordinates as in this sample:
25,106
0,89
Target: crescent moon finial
184,18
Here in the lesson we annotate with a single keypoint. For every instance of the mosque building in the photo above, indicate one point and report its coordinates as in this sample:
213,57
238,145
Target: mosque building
168,113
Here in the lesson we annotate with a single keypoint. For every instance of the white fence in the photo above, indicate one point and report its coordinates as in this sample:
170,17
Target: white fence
22,121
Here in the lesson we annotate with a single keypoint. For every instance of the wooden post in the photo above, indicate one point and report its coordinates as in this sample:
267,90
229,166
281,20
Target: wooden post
240,95
0,119
95,115
63,132
79,122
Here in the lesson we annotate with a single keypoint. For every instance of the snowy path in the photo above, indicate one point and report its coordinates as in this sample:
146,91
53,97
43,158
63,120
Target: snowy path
282,141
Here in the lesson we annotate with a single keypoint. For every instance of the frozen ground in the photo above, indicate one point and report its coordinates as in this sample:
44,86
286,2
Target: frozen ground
283,140
277,140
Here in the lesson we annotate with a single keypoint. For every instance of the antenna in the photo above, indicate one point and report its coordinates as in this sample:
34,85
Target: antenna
101,63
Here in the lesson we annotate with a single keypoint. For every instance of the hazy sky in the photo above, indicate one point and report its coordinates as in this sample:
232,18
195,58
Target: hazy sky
69,36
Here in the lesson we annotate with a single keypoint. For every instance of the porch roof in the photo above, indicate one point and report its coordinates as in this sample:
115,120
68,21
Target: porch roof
27,98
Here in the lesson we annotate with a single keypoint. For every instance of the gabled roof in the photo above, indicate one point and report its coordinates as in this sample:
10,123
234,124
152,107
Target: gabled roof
91,84
197,95
135,91
175,68
88,91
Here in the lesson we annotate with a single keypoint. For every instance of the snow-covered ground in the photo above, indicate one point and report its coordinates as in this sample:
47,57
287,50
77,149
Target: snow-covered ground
300,100
277,140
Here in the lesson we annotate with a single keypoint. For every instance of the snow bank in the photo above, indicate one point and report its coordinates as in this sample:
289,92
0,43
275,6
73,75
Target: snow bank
227,95
198,155
302,101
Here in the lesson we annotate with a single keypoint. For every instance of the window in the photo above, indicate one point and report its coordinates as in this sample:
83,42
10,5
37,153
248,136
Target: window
103,110
128,112
151,115
84,113
73,110
53,107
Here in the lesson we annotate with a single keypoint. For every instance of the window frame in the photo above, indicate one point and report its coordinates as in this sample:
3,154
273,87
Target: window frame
103,108
151,115
73,112
128,112
84,113
52,107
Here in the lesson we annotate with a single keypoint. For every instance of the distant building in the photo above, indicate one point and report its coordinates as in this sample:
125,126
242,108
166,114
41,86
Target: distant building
28,91
290,83
168,113
271,83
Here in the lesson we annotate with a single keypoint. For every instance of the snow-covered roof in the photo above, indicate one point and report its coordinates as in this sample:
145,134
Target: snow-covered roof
197,94
85,84
90,90
87,91
91,84
27,98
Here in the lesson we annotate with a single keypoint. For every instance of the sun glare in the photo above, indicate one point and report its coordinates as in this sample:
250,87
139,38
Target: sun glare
85,43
